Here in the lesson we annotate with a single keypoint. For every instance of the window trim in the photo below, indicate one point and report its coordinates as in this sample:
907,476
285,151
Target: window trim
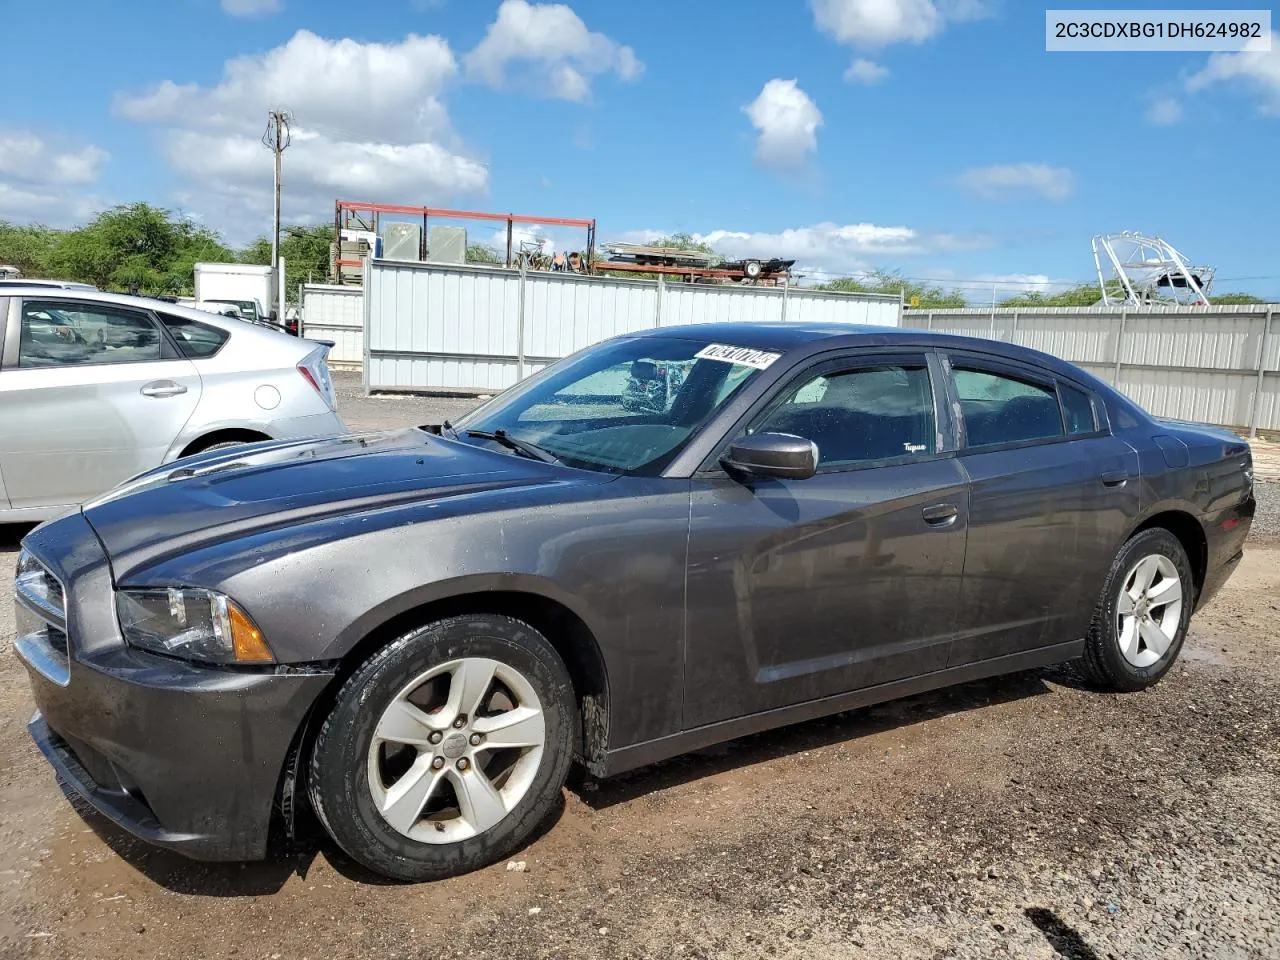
13,356
1017,369
845,362
1000,367
1097,431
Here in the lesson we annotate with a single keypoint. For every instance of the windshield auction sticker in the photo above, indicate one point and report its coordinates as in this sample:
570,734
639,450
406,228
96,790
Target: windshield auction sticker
1123,31
743,356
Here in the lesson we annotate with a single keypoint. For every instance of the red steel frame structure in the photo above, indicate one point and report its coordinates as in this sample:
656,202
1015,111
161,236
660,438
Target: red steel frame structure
342,207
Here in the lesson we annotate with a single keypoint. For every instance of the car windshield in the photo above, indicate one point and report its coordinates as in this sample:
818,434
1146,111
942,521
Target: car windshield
627,406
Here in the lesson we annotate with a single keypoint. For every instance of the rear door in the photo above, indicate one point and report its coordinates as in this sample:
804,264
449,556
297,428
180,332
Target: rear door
804,589
1051,493
93,393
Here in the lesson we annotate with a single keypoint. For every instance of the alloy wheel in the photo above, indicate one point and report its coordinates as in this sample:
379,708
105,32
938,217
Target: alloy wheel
456,750
1149,610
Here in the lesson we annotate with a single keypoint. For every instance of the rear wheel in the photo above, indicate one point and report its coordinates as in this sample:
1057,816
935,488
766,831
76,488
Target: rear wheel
445,751
1141,619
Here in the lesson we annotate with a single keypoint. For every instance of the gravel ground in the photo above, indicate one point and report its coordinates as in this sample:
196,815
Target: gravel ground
1024,817
1266,525
393,410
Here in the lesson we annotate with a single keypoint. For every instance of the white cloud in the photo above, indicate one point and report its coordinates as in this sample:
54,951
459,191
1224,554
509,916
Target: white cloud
1010,179
866,71
1164,111
872,24
25,156
42,182
877,23
251,8
328,166
787,123
826,248
553,40
34,203
369,123
340,87
1254,67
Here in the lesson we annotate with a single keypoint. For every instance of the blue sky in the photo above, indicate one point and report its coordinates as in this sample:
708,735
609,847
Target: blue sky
933,137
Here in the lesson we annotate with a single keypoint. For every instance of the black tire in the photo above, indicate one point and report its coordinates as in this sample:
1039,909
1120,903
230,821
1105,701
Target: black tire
752,269
1103,662
338,783
224,445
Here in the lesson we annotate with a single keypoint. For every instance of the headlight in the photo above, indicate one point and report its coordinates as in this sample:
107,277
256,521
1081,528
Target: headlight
192,624
38,585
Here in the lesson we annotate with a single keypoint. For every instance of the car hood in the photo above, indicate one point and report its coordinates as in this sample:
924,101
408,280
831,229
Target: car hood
201,500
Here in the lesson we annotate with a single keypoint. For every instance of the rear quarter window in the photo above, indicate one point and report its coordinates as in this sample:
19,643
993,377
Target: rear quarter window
195,340
1077,408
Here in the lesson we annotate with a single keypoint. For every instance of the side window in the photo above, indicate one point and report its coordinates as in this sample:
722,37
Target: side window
868,413
71,334
1000,408
194,339
1077,409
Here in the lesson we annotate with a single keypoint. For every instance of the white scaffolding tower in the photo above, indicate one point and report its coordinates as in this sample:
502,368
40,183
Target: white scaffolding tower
1136,270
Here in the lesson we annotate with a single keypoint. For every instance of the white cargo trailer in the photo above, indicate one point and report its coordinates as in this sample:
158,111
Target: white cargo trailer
248,286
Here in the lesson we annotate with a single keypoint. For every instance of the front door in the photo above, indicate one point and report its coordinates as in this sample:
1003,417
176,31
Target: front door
803,589
1050,497
92,394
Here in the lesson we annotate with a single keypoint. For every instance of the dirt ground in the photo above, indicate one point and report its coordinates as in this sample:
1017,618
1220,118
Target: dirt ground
1025,817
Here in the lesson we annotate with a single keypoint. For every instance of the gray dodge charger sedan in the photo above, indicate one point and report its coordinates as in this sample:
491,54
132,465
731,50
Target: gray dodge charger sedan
417,632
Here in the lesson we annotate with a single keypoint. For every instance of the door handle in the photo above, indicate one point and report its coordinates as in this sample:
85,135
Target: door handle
162,388
940,514
1115,478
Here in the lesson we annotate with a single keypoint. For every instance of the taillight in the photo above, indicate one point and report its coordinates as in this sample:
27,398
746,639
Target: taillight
316,372
311,379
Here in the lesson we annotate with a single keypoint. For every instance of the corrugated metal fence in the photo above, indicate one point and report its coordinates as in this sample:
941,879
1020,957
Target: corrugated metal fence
335,313
438,327
1211,364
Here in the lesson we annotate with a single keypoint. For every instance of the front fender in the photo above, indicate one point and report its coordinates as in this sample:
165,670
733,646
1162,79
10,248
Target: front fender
453,588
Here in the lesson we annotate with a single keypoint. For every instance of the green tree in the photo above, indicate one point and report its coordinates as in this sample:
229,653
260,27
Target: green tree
1083,295
1228,299
305,250
136,246
27,247
483,253
914,293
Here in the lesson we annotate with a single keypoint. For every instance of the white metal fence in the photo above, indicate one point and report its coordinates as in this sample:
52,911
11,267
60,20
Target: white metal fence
335,313
439,327
1211,364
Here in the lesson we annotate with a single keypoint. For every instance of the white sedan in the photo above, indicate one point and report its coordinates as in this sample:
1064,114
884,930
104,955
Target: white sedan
95,388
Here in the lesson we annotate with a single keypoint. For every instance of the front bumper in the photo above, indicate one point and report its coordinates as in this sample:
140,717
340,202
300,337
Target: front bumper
181,755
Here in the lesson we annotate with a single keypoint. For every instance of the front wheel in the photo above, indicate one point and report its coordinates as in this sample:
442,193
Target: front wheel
1141,619
445,751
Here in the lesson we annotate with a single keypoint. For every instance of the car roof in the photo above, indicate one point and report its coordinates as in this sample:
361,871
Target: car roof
222,321
46,284
818,337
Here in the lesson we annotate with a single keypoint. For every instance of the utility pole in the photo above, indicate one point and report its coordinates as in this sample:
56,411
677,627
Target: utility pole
277,140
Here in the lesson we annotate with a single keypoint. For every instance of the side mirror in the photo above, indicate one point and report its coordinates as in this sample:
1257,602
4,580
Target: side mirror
780,455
